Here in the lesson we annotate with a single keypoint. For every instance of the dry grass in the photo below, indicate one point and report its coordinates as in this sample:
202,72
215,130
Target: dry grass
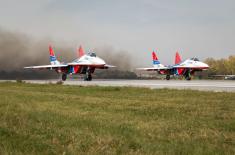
57,119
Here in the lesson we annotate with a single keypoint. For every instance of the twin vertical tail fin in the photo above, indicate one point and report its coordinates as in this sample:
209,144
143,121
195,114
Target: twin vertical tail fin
156,62
80,52
53,59
179,71
177,58
155,59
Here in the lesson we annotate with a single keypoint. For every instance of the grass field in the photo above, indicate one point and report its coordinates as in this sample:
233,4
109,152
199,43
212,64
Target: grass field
57,119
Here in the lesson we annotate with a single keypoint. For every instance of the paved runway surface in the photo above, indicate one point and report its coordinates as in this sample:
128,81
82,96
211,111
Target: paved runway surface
206,85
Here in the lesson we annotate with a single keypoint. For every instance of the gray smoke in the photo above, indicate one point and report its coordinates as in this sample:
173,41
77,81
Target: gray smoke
119,58
18,50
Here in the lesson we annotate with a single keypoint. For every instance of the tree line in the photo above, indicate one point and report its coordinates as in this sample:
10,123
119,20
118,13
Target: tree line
224,66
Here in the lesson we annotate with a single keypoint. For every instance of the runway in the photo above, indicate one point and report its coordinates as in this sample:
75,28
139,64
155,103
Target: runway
204,85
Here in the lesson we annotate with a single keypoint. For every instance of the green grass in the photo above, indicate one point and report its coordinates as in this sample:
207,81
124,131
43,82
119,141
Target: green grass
58,119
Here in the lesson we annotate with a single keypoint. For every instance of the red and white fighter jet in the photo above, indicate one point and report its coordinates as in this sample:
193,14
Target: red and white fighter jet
184,68
84,64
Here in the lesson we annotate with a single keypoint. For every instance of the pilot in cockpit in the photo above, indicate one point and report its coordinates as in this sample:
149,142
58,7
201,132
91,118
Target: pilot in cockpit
92,54
194,59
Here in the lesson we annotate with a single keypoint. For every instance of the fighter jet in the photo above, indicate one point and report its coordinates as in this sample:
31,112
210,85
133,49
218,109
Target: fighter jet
85,64
184,68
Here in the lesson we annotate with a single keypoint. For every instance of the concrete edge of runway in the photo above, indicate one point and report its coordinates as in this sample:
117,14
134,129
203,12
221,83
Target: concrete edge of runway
201,85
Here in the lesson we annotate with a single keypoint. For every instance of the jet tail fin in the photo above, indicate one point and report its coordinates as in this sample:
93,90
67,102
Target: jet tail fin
156,62
155,58
53,59
177,58
80,52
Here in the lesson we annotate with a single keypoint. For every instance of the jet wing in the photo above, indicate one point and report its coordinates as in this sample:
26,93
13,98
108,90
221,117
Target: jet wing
45,66
190,67
90,64
105,66
154,68
82,64
109,66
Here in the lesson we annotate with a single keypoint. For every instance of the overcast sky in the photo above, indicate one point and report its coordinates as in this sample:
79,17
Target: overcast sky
201,28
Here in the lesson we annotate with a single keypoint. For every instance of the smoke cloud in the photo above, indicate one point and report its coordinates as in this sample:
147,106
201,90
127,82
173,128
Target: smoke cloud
120,58
18,50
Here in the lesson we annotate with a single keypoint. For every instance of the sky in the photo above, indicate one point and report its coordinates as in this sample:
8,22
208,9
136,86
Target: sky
195,28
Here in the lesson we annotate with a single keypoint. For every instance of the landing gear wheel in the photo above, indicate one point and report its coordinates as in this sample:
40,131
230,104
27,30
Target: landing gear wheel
87,77
64,77
188,78
168,77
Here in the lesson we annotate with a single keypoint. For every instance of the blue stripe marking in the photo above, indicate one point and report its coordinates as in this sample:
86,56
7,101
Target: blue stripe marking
156,62
52,58
176,71
71,69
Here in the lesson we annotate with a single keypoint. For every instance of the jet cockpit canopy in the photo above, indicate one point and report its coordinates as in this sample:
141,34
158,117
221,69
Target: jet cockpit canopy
92,54
194,59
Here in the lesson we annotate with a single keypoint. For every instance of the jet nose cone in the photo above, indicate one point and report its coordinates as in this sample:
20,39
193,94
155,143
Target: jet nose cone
100,61
205,65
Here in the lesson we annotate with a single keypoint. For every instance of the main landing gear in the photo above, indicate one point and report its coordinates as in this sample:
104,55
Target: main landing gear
88,76
188,78
64,77
168,77
188,75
